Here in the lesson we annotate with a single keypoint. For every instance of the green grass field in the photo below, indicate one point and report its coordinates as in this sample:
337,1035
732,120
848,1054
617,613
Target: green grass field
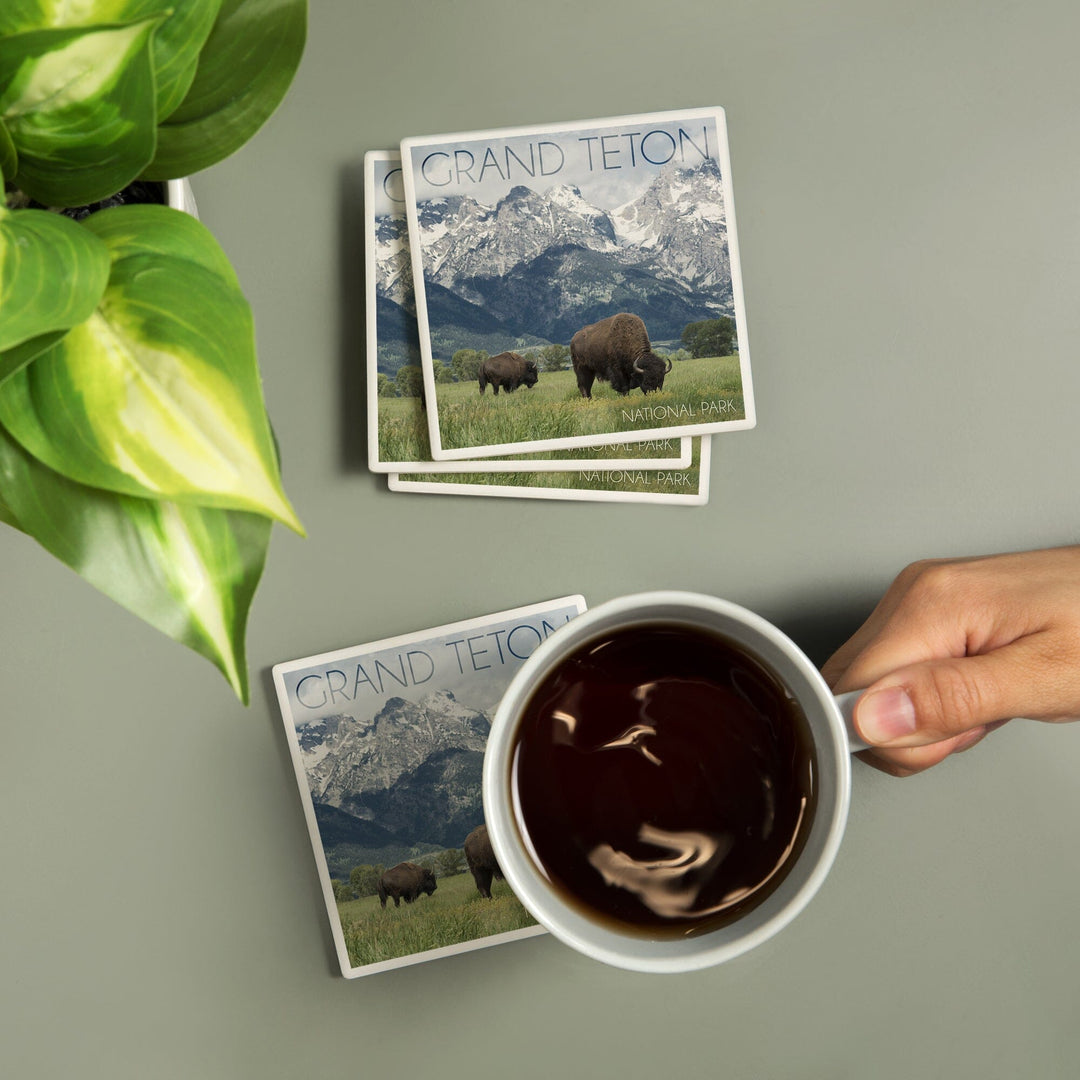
454,913
403,434
701,391
696,392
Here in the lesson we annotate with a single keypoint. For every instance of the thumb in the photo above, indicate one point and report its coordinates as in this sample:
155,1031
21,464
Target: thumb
938,699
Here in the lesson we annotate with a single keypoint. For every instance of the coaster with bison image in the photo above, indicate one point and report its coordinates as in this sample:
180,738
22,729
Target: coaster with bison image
387,742
593,267
397,421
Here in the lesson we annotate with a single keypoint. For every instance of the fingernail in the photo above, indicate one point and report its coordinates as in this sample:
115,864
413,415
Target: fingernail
886,715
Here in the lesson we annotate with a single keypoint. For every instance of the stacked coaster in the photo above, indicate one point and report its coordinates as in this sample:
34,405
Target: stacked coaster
557,311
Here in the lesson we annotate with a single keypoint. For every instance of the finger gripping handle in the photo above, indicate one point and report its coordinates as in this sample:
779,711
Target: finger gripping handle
846,704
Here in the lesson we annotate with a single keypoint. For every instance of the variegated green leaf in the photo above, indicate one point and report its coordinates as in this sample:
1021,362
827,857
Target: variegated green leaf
7,515
9,157
79,107
245,68
189,571
14,359
53,272
145,229
157,394
176,44
19,15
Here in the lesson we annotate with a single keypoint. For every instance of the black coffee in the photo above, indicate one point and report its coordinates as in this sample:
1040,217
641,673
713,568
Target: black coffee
664,779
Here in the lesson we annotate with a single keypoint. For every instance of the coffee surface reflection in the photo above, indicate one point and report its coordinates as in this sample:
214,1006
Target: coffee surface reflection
663,779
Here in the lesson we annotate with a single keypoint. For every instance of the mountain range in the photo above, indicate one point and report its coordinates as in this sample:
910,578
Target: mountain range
405,782
536,267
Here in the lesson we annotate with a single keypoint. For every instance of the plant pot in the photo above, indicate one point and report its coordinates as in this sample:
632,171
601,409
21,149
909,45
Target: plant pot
178,194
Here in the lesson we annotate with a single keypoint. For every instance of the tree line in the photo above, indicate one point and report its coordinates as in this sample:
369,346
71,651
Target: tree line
707,337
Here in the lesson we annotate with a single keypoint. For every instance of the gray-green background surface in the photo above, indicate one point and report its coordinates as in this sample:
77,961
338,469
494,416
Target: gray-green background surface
907,185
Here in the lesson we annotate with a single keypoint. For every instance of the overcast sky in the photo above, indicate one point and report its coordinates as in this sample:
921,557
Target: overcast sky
610,164
475,663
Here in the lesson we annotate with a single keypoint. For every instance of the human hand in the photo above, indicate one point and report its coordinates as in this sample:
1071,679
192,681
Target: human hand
957,647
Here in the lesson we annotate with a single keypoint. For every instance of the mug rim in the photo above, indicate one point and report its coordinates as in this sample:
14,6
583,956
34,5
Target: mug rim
634,951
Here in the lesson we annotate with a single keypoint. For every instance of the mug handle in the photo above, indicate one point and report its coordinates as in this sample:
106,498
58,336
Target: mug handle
846,704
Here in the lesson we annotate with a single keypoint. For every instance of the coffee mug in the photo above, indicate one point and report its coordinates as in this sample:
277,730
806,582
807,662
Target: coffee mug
826,720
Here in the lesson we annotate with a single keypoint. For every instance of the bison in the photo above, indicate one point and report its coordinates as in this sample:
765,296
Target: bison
617,350
508,370
481,860
406,881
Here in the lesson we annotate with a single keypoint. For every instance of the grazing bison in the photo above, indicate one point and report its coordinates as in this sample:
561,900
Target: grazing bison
508,370
481,860
406,881
617,350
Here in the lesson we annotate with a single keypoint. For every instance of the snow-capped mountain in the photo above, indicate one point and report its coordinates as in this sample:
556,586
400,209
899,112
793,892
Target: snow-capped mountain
347,759
680,222
408,776
393,263
489,241
545,264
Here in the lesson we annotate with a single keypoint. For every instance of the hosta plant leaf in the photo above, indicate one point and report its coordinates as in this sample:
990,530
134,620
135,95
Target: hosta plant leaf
9,157
53,272
78,105
14,359
245,68
157,394
7,515
176,44
190,571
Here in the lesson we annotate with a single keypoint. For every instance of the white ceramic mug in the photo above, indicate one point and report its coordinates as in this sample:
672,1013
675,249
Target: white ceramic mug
834,741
